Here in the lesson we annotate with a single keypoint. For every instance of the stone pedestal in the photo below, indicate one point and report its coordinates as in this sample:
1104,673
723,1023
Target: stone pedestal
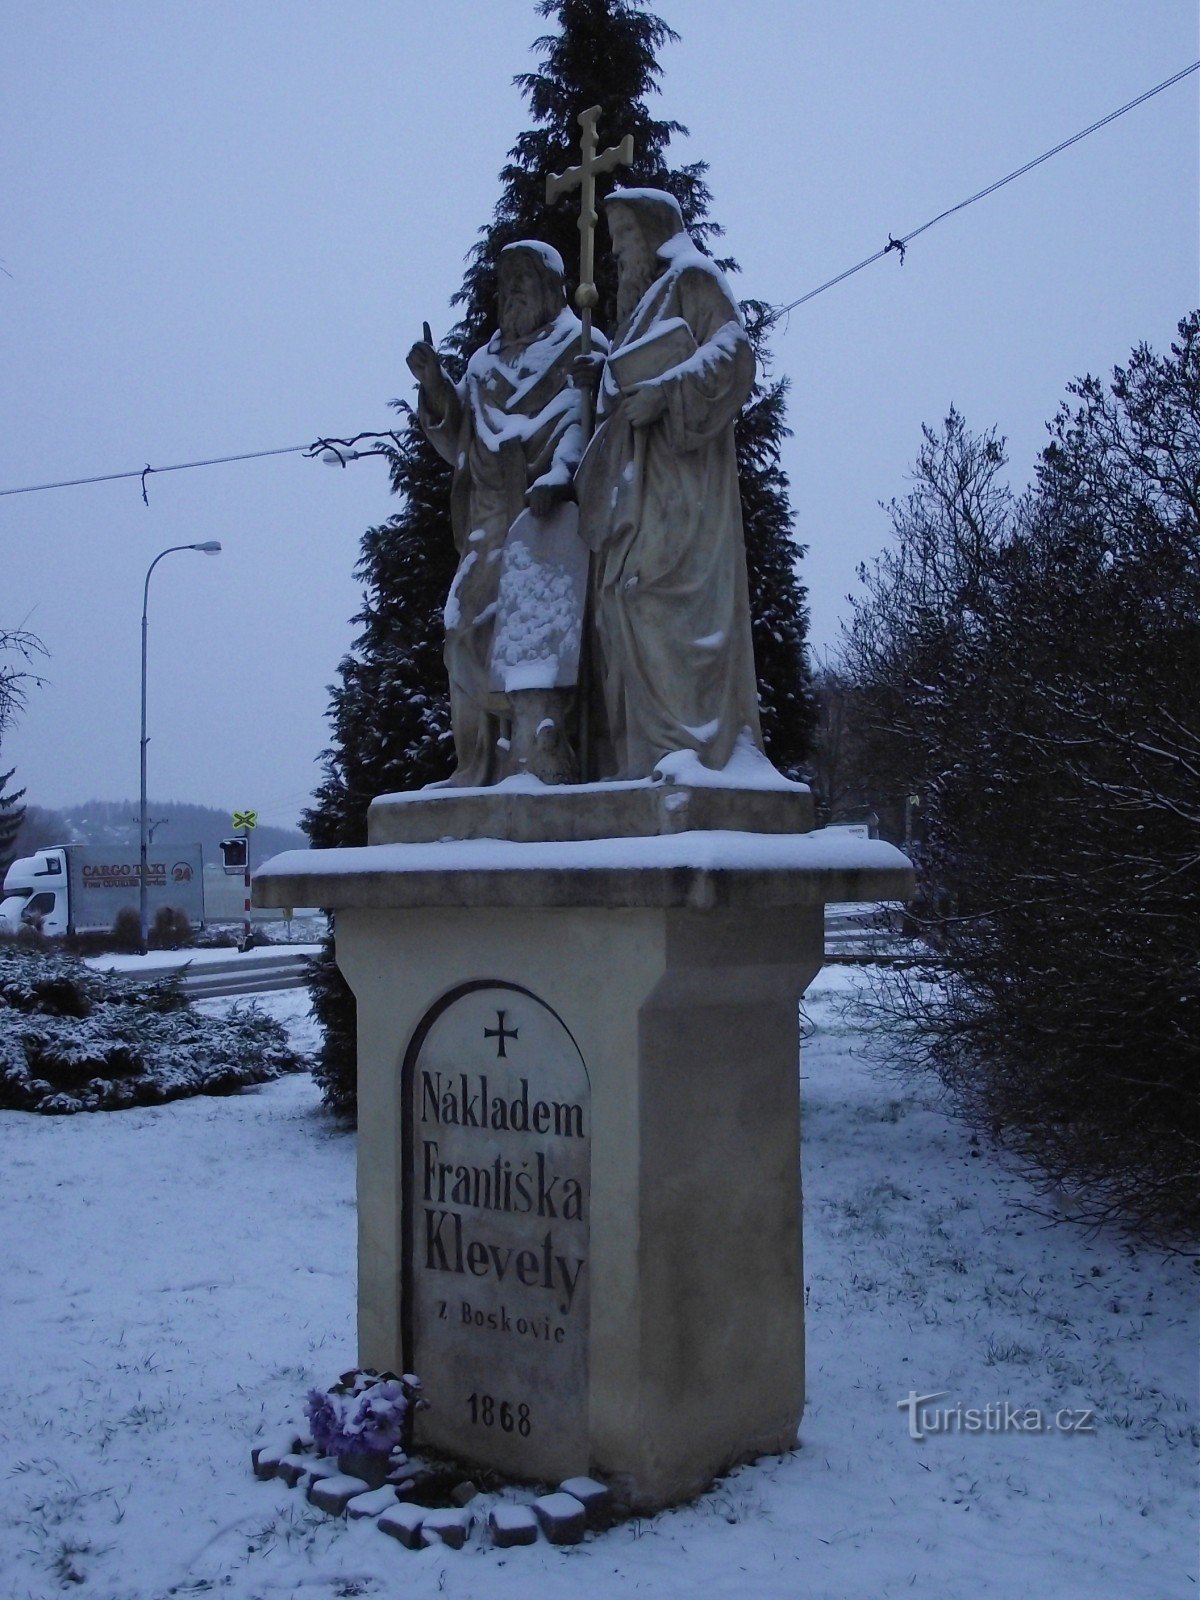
578,1180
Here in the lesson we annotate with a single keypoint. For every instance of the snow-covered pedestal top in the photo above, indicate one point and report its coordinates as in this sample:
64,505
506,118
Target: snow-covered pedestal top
746,796
525,811
698,869
687,836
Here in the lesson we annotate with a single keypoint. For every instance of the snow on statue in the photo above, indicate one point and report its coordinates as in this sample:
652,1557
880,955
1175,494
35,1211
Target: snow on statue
659,502
512,431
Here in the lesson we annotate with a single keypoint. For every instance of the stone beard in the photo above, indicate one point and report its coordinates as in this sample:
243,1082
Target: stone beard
660,505
511,425
635,273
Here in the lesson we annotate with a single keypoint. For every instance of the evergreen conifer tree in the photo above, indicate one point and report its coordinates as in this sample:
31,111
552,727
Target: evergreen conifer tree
390,710
18,650
12,815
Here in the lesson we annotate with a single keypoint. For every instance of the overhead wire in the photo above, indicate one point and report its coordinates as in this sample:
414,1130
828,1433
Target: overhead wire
141,472
901,245
341,448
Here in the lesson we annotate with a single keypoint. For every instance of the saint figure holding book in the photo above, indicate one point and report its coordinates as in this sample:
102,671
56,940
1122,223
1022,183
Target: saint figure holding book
659,502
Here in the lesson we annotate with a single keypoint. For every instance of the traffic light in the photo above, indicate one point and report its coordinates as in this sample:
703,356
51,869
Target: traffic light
234,854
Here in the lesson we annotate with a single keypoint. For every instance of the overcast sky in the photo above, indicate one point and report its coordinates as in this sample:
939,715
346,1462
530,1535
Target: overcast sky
224,223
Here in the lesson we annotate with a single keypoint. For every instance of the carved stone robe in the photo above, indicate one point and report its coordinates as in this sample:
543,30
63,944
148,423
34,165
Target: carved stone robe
660,508
511,422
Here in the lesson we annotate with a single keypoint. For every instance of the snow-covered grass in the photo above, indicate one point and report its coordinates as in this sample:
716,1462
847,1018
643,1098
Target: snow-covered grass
175,1277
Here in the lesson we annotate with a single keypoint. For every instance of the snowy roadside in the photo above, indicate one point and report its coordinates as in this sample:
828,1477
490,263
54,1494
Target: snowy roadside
157,962
175,1276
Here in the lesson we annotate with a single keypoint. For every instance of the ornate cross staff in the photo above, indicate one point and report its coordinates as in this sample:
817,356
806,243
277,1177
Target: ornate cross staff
583,177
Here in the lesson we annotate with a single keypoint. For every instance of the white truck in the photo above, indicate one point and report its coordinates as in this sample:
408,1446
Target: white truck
80,888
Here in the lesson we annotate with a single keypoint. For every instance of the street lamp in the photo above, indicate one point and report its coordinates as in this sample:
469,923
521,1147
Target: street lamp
210,547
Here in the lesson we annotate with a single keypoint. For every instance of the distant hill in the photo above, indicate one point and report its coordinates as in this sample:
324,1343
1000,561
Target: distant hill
116,822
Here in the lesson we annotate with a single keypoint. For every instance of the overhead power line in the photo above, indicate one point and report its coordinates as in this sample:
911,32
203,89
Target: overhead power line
141,472
343,450
901,245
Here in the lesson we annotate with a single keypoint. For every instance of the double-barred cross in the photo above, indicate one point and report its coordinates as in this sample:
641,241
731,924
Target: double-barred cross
583,177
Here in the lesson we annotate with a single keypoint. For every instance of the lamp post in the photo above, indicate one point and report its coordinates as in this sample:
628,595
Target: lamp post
210,547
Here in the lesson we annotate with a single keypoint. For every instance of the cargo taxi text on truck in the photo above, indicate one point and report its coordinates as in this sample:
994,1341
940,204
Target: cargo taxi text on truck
81,888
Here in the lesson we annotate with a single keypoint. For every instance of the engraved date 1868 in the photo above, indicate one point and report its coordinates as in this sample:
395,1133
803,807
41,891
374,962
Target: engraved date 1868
488,1412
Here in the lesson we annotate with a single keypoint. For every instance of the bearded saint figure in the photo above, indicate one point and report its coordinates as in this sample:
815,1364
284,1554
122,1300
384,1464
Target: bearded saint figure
512,431
659,503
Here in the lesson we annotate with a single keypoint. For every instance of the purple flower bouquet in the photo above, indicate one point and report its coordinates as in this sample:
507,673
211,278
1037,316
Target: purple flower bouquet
366,1421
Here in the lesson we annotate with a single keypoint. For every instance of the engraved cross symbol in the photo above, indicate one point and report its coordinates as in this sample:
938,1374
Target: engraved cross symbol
500,1033
583,178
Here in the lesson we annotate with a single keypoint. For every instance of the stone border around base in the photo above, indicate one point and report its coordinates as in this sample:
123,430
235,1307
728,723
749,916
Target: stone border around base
577,1508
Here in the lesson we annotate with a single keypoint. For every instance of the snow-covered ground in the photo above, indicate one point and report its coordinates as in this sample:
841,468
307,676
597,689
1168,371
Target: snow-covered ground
175,1277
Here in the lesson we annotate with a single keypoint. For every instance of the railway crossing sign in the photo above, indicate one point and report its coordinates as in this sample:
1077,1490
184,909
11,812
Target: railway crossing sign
245,819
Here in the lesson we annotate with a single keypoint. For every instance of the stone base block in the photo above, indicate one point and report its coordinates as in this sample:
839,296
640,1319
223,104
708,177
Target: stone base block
624,1297
371,1504
334,1494
512,1525
450,1526
529,812
291,1468
265,1458
561,1518
578,1136
595,1498
403,1522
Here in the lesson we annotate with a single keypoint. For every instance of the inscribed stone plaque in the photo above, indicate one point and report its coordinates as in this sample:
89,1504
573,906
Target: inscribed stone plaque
496,1231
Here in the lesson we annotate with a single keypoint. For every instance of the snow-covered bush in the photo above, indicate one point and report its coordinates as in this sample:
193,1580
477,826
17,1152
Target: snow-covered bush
1028,667
73,1040
33,981
126,933
171,929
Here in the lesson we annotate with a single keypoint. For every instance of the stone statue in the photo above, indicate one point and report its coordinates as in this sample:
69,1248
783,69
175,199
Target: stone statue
659,503
511,430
